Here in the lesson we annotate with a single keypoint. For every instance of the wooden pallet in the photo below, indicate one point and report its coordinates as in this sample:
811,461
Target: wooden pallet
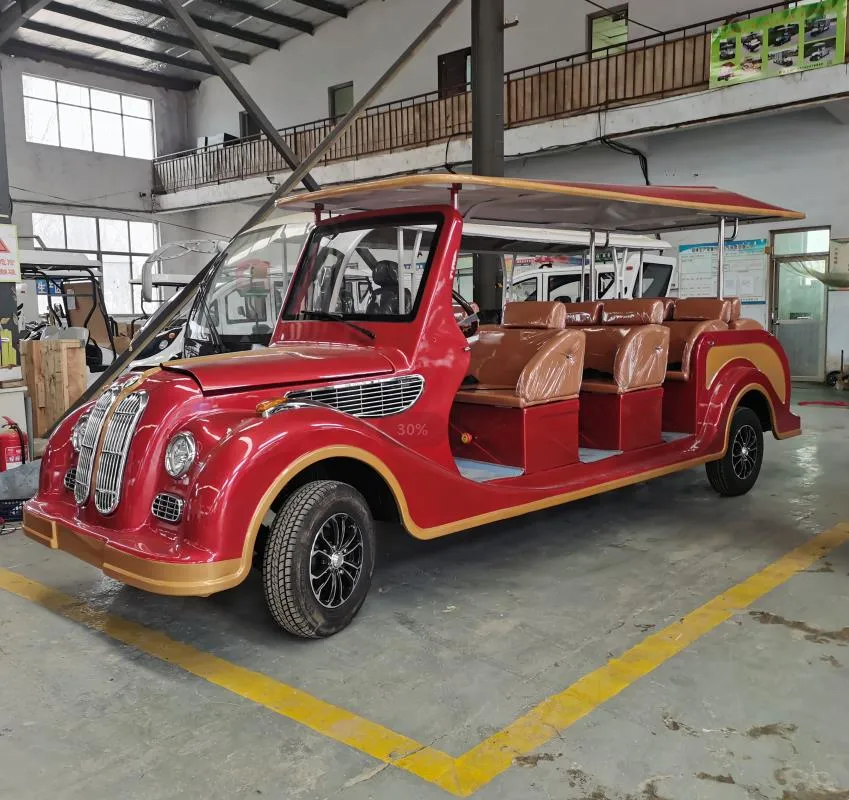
55,375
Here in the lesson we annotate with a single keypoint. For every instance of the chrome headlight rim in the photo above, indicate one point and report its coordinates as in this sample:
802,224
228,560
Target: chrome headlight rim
78,432
176,464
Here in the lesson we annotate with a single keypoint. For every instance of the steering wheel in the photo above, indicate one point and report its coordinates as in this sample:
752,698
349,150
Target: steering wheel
470,324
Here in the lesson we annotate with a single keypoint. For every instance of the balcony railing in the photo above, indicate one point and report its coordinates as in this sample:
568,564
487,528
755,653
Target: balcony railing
656,66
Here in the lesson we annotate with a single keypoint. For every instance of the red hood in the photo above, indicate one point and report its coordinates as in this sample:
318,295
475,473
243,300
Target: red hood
283,364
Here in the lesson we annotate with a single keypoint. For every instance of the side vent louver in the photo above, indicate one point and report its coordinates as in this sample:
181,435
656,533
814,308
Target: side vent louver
379,398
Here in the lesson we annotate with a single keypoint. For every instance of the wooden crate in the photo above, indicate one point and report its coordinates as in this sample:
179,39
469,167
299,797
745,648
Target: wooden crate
55,375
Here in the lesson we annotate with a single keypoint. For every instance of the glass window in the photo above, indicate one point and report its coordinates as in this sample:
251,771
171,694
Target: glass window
69,115
607,32
121,246
41,121
454,72
392,257
523,290
656,278
341,99
566,288
793,243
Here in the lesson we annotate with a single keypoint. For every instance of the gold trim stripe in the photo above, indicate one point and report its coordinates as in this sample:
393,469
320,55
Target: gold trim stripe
462,776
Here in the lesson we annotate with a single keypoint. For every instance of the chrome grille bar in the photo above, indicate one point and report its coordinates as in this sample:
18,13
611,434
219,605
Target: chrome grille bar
91,436
379,398
116,445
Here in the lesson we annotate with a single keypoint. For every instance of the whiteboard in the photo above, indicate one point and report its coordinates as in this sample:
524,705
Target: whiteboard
746,265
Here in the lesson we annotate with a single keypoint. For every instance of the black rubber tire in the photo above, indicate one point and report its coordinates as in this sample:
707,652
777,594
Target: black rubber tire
286,565
832,378
721,473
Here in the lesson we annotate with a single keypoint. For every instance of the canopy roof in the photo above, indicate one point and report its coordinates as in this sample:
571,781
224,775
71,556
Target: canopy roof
639,209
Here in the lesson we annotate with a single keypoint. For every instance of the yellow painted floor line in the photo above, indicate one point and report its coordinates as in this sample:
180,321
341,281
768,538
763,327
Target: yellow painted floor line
461,776
329,720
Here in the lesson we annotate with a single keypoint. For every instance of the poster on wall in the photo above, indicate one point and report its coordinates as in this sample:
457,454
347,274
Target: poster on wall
797,39
10,267
745,270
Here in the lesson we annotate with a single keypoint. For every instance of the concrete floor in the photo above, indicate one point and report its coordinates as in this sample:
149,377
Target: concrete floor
461,636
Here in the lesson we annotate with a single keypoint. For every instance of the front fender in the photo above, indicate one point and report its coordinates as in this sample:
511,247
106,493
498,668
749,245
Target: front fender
243,474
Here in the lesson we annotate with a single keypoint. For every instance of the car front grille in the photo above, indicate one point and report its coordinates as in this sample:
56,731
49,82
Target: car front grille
380,398
113,456
167,507
91,436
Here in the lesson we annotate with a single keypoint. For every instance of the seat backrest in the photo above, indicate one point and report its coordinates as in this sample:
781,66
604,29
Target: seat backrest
699,309
668,307
736,308
625,313
534,314
582,314
634,358
555,372
682,338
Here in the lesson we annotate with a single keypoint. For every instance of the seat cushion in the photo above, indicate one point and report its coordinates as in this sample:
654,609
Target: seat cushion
699,309
579,314
642,311
534,314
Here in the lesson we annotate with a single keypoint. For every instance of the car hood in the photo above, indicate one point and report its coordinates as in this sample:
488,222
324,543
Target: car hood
282,365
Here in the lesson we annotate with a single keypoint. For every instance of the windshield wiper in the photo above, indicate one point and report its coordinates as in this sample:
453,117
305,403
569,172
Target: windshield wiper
331,317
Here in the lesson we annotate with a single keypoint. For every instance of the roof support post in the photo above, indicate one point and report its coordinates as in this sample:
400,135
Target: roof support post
5,194
488,133
234,85
720,273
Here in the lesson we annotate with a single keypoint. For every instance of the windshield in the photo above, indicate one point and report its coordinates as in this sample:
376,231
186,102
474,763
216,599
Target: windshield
244,297
372,273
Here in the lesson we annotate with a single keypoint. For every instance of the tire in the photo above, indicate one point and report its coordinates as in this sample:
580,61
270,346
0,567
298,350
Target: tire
832,378
323,525
737,471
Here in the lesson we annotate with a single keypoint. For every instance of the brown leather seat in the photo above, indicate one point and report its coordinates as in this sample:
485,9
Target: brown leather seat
668,307
692,317
581,314
738,323
530,360
629,350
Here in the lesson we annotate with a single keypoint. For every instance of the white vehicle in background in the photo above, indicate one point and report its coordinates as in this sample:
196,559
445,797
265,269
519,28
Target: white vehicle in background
619,262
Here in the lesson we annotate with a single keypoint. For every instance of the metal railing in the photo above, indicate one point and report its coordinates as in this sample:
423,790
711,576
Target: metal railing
655,66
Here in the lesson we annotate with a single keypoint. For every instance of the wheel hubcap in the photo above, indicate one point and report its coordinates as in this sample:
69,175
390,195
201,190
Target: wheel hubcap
336,560
744,452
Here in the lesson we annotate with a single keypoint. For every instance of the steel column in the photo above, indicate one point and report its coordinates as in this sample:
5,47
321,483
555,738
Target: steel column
488,132
5,195
239,91
720,272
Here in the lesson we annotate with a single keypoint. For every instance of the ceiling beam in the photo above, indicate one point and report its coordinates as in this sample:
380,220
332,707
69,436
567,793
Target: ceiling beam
109,44
15,47
258,12
149,7
146,31
327,6
16,15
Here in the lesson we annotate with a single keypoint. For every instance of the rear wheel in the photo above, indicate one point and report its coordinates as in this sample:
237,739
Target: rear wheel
737,471
319,559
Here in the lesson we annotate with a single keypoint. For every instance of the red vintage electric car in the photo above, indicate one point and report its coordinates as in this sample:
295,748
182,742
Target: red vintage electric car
373,403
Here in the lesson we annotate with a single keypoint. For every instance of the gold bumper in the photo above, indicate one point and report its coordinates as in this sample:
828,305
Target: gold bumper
159,577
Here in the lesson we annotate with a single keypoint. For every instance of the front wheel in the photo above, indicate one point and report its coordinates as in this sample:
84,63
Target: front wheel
319,559
737,471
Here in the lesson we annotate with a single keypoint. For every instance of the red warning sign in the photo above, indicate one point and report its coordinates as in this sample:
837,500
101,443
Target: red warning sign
4,248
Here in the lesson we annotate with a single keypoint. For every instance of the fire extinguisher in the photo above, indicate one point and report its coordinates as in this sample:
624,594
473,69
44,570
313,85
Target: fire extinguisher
13,445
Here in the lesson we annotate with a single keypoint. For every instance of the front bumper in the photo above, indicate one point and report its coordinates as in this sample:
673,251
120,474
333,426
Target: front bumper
144,572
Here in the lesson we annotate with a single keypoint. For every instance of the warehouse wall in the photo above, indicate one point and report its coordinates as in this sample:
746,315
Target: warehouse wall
291,84
56,174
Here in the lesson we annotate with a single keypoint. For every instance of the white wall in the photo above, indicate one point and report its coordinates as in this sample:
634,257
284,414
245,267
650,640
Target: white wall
53,175
291,84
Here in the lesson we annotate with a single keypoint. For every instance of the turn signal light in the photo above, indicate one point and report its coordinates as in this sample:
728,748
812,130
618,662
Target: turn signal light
267,405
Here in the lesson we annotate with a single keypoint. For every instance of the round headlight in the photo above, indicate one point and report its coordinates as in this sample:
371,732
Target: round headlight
180,454
78,432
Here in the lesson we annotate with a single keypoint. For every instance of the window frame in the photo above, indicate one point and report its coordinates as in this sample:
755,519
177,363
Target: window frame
102,255
333,112
601,14
121,114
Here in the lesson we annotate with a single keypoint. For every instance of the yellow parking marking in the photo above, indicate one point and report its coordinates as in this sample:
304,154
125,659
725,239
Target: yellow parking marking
461,776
